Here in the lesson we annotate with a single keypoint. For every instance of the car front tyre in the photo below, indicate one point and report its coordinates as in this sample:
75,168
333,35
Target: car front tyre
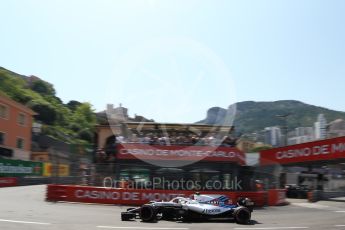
125,216
148,213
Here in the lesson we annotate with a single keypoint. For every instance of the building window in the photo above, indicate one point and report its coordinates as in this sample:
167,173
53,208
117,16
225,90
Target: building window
20,143
21,119
2,138
3,111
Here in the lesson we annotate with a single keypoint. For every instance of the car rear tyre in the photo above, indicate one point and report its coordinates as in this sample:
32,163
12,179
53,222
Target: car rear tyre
242,215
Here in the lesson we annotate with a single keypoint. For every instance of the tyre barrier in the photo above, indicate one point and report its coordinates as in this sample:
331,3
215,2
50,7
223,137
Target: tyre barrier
313,196
101,195
276,197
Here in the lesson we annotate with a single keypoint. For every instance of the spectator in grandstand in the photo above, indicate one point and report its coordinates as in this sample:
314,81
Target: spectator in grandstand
134,138
153,140
187,140
178,139
120,139
147,139
194,139
228,141
172,140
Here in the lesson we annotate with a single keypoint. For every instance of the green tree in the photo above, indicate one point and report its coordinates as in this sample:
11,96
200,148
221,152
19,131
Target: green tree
86,134
42,87
84,115
45,111
72,105
73,122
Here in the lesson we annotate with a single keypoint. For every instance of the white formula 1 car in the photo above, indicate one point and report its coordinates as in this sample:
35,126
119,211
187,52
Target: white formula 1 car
186,209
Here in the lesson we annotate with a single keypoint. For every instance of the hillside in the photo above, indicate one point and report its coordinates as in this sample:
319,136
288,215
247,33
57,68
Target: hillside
253,116
72,122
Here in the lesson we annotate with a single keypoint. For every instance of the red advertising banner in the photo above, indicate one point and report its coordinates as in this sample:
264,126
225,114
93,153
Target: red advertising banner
8,181
181,153
102,195
328,149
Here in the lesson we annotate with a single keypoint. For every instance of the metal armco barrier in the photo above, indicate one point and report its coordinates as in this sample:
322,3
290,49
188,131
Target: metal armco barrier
317,195
87,194
22,181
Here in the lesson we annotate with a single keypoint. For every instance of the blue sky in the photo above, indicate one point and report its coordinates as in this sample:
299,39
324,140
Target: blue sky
172,60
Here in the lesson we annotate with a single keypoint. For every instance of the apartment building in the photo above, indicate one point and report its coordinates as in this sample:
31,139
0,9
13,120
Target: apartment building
15,129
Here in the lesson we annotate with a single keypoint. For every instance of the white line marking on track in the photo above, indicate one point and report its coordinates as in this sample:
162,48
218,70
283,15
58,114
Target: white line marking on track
23,222
113,227
271,228
339,225
339,211
312,205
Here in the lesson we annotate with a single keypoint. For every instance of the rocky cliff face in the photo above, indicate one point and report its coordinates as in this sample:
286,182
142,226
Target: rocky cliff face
252,116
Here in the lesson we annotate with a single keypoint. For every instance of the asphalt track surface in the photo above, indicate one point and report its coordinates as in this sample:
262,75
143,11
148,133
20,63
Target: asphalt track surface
25,208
